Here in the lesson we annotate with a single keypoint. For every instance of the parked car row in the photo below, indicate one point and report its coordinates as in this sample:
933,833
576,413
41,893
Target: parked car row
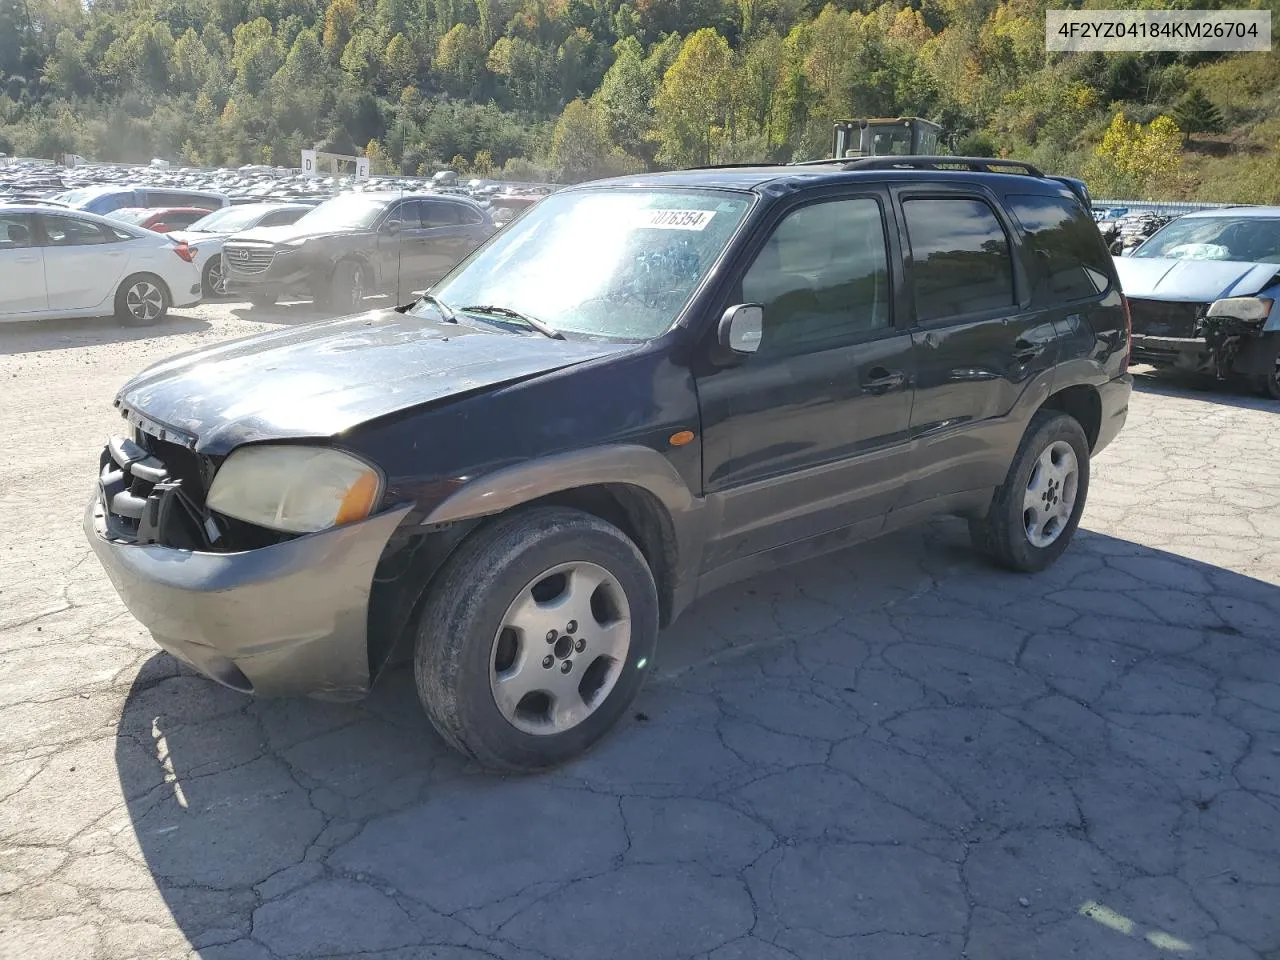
136,263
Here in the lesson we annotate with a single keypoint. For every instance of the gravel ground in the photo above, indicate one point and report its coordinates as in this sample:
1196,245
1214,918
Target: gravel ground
895,752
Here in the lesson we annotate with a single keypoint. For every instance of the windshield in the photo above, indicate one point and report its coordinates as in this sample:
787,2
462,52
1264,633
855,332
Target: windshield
76,196
1245,239
227,220
351,211
619,264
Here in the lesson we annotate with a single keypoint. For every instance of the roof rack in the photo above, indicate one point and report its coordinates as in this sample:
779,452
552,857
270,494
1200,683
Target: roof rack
974,164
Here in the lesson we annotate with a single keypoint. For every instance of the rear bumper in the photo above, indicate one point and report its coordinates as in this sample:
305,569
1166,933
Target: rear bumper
1114,395
189,296
285,619
1184,353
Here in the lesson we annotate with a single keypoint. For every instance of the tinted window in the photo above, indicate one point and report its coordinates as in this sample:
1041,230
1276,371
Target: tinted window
1068,259
439,213
110,201
822,276
407,213
70,232
281,218
180,198
181,219
15,231
468,214
960,261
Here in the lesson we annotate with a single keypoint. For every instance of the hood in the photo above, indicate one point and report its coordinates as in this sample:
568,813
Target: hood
293,232
1200,281
321,379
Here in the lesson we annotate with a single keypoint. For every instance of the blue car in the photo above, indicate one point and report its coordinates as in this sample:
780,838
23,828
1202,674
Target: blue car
1203,295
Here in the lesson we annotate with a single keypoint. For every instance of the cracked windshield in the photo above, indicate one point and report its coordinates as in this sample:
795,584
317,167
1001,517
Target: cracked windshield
640,480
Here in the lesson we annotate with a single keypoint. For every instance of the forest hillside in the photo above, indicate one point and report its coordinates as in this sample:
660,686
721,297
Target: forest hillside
570,89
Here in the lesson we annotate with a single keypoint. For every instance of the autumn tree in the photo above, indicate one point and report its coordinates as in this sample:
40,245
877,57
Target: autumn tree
1133,160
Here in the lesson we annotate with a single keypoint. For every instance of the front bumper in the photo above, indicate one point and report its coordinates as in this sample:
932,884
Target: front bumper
288,274
290,618
1182,353
1114,395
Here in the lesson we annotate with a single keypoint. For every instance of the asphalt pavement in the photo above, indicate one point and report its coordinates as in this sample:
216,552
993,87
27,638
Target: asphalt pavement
893,752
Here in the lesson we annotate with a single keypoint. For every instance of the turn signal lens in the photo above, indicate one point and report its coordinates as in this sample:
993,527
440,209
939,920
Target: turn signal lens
359,501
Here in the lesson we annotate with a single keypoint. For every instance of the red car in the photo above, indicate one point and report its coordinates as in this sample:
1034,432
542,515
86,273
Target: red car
159,219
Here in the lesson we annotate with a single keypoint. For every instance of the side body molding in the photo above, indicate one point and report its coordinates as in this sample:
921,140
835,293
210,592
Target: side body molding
629,465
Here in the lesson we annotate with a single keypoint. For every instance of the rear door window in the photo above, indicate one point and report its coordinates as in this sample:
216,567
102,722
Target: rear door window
73,232
960,258
1068,260
440,213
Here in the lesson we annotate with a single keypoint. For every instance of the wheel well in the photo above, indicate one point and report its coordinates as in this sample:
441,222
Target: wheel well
1083,403
409,564
642,517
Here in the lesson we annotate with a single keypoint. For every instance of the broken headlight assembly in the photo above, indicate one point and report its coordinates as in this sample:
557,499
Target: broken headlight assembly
295,489
1226,322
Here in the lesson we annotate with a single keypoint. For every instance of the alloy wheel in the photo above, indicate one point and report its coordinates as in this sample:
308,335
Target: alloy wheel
560,648
1050,496
144,301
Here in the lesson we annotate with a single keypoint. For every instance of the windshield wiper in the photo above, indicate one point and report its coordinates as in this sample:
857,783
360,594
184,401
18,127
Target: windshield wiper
539,325
446,311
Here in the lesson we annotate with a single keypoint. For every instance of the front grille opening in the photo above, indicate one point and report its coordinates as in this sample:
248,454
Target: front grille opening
154,492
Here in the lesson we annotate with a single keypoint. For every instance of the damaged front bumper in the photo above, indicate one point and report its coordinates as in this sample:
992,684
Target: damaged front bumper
1222,346
289,618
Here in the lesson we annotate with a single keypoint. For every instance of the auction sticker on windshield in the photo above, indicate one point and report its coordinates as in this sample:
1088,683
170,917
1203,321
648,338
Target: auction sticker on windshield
676,219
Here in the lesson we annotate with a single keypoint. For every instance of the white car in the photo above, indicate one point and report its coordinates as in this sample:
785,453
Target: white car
67,263
208,234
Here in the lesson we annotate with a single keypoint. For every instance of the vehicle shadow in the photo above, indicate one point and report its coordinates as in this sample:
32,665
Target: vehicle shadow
41,335
303,828
1232,392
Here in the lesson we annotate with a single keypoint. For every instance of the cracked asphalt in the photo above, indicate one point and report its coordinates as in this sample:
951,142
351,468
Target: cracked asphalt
894,752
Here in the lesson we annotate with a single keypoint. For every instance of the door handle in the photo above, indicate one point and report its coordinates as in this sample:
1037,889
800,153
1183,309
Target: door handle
879,380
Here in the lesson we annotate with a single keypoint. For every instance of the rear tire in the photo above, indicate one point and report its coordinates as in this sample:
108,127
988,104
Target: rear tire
535,638
1035,512
142,301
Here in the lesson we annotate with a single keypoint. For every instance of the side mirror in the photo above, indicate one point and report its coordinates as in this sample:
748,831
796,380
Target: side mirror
393,227
162,228
740,331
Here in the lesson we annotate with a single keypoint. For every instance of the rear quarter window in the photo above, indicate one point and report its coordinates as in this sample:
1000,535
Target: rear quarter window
1068,260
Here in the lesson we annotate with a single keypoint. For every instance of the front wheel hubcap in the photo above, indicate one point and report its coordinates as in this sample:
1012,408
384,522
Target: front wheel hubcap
1050,497
144,300
560,648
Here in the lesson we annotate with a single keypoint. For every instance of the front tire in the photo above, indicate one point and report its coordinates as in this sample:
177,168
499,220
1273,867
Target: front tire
213,280
141,301
1035,512
347,287
535,638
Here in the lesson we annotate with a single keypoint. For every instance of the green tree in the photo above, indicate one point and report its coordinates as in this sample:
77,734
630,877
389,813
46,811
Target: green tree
626,98
581,148
399,63
1195,113
693,108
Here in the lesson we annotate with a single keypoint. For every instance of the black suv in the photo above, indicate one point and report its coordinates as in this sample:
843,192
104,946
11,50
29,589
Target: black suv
636,393
356,245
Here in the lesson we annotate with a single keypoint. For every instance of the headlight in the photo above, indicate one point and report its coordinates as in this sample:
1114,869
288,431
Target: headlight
295,489
1241,308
